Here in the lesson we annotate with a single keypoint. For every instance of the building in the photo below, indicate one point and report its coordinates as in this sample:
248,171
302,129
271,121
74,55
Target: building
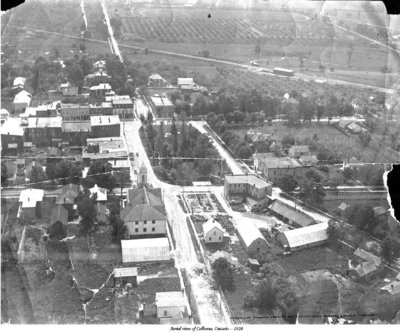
30,203
44,131
248,187
73,112
145,250
123,107
252,239
105,108
156,80
308,160
171,308
19,83
22,100
283,72
4,115
291,215
12,137
142,176
297,151
368,265
275,168
304,237
101,213
213,232
97,77
125,275
100,90
101,64
259,140
68,198
100,192
76,133
105,126
105,149
162,106
187,84
58,222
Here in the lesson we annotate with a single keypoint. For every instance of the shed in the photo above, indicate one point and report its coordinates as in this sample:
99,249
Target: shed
213,231
305,237
170,304
145,250
254,264
124,275
251,238
293,216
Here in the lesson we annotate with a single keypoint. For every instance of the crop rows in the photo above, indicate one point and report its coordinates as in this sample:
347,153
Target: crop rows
233,30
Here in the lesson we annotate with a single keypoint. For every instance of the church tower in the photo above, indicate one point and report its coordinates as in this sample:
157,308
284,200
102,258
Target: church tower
142,176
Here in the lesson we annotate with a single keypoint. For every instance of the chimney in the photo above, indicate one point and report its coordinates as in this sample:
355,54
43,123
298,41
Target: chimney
109,121
29,199
65,199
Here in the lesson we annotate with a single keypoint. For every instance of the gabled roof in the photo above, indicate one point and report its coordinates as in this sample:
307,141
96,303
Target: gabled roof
210,225
29,197
291,213
141,212
59,213
249,233
185,81
150,196
120,272
367,256
19,81
379,210
23,97
306,235
365,268
170,299
300,149
159,242
157,77
101,209
68,194
101,193
250,179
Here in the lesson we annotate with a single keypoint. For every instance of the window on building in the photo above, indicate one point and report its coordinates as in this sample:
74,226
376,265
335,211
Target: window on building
153,229
215,233
144,230
153,222
209,239
165,313
145,222
136,230
136,222
219,238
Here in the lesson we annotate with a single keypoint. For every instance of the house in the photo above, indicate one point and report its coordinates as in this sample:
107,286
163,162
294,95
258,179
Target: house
122,168
171,308
342,208
290,215
12,137
125,275
355,128
259,140
22,100
105,126
145,250
381,212
101,64
4,114
392,288
58,222
99,90
67,198
304,237
213,232
19,83
156,80
187,84
100,192
248,186
73,112
297,151
30,203
145,195
275,168
252,239
44,131
162,105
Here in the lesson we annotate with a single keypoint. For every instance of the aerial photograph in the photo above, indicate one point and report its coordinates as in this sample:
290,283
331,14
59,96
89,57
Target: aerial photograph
199,163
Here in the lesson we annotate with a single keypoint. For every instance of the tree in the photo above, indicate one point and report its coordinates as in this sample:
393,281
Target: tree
390,248
287,141
119,229
4,175
287,183
313,175
36,175
223,273
334,232
361,216
347,173
312,193
87,211
205,166
75,75
365,139
100,173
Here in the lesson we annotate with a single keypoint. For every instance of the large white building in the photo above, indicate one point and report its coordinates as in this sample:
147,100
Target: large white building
145,250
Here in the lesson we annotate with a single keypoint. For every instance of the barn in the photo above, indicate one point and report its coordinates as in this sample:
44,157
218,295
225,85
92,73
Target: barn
252,239
145,250
305,237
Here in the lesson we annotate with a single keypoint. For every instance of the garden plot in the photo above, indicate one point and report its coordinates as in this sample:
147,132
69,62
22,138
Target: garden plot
203,203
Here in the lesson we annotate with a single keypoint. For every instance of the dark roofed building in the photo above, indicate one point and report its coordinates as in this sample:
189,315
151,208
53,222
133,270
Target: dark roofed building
58,222
290,215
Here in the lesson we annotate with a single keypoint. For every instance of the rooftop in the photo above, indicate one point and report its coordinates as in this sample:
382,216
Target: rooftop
145,243
185,81
45,122
59,213
306,235
102,86
101,193
211,224
23,97
120,272
161,101
104,120
281,162
30,197
13,127
291,213
124,101
170,299
249,233
157,77
141,212
250,179
73,127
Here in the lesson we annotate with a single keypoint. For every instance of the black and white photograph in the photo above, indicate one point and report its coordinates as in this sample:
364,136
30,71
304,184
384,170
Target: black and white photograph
200,165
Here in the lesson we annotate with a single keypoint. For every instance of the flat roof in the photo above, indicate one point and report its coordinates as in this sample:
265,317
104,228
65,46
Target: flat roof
13,127
250,179
104,120
281,162
43,122
125,272
161,101
170,299
145,243
73,127
122,101
291,213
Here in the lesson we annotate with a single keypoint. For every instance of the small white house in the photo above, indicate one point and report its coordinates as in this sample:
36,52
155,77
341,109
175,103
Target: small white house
170,305
30,201
213,231
145,250
100,192
22,100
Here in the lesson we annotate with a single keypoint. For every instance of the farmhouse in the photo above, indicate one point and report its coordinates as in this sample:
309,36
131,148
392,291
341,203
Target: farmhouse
252,239
30,203
275,168
124,275
22,100
305,237
247,186
156,80
290,214
213,232
171,308
105,126
145,250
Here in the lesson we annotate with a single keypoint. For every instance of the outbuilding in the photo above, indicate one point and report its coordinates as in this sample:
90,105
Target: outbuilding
124,275
252,239
171,307
145,250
